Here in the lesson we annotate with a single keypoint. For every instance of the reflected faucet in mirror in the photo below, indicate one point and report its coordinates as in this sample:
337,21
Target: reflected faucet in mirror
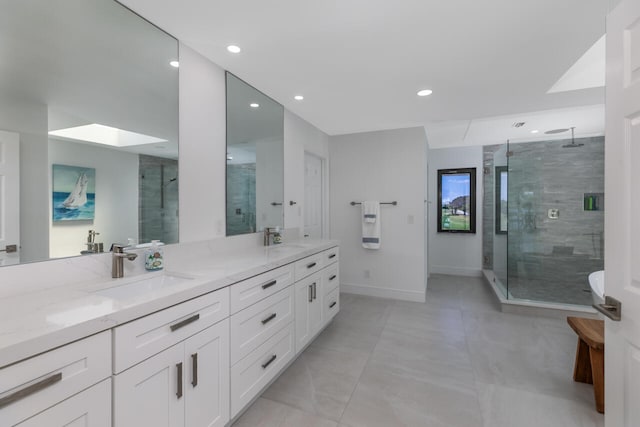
92,246
118,256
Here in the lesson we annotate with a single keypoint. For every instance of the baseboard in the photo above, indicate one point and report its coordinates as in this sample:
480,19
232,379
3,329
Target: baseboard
455,271
374,291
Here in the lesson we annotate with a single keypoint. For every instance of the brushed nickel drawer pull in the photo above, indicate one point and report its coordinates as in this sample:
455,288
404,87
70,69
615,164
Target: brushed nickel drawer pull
313,264
332,256
194,367
333,304
184,322
269,362
332,277
33,388
314,290
270,284
179,391
269,319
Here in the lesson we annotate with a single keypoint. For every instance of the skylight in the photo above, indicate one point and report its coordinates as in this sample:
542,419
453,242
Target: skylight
106,135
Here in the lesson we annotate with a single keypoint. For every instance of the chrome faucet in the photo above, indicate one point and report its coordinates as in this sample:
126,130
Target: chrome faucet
268,232
118,256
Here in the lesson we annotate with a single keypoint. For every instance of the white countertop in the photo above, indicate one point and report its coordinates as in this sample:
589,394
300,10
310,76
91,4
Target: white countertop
47,312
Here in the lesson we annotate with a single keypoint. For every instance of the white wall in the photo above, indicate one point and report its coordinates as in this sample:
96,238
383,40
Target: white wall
454,253
301,136
383,166
116,211
202,147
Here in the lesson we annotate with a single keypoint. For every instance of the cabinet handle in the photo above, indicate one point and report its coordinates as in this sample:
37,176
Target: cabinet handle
333,304
194,367
310,293
332,277
184,322
269,319
179,388
332,256
270,284
314,290
313,264
29,390
269,362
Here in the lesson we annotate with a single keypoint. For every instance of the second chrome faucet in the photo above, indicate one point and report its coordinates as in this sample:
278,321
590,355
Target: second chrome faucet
117,263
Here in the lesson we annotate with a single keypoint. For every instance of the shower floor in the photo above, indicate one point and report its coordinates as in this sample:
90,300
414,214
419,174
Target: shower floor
574,293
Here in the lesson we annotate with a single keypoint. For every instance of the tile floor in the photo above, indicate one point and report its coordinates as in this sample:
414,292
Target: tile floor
455,361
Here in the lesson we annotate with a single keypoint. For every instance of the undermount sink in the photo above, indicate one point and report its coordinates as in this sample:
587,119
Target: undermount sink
143,285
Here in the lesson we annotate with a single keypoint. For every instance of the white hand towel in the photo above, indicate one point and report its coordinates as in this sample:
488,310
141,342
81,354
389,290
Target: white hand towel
371,225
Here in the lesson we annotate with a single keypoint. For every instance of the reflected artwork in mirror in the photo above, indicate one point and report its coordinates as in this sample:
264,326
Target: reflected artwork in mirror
86,84
255,159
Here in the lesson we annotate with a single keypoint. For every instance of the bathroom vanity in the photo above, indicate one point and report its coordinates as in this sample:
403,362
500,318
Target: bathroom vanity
193,345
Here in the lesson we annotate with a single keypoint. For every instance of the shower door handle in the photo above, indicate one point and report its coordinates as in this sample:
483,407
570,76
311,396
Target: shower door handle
612,308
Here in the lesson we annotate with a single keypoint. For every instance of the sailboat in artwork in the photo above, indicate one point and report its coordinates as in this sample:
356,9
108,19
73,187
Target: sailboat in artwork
78,196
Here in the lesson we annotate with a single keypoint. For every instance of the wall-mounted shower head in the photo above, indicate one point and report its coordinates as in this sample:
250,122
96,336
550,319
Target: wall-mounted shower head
573,141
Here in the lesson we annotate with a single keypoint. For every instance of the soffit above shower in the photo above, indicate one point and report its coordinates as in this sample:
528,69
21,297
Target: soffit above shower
359,63
588,121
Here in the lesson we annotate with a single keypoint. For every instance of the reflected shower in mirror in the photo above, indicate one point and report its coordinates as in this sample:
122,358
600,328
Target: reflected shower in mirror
89,119
255,159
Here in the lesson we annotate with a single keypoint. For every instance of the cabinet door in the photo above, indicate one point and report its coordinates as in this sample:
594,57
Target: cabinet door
90,408
303,301
316,309
207,377
151,393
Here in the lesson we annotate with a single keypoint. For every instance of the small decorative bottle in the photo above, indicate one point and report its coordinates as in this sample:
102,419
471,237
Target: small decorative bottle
153,259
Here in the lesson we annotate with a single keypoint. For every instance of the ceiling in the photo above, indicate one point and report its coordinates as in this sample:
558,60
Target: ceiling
359,63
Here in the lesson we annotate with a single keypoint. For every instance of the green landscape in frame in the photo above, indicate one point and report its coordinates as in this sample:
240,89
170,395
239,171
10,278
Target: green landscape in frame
457,200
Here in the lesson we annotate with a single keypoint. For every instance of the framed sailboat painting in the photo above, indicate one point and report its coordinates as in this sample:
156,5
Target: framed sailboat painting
74,193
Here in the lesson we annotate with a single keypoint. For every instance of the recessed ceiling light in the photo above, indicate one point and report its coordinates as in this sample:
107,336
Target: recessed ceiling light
233,48
254,105
425,92
298,97
535,131
174,63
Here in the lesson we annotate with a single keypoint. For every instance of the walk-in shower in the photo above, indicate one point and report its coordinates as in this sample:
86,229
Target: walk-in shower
543,223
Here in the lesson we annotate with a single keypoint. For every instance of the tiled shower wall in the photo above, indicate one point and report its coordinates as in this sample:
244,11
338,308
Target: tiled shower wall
158,194
241,199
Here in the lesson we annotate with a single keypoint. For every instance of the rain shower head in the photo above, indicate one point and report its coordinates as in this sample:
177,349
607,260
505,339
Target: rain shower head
573,141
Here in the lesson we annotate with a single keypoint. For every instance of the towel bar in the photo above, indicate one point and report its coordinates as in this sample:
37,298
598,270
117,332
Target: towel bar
394,203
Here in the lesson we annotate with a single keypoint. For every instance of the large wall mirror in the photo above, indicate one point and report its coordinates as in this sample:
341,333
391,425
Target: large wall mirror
255,159
88,129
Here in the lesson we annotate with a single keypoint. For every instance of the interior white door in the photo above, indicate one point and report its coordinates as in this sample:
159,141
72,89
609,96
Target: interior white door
9,196
313,207
622,226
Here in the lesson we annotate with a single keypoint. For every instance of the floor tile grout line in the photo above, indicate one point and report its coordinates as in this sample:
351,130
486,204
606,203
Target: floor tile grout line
365,366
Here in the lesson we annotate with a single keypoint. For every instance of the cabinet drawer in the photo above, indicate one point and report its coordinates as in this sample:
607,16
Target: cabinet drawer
254,372
330,278
331,305
308,265
142,338
36,384
331,255
250,291
254,325
91,408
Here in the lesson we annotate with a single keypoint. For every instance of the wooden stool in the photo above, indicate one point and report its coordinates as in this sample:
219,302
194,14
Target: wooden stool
589,366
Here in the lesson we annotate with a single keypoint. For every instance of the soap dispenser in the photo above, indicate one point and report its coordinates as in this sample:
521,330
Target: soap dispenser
153,258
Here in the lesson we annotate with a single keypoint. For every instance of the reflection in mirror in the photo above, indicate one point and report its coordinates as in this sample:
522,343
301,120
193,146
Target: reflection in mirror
89,122
255,159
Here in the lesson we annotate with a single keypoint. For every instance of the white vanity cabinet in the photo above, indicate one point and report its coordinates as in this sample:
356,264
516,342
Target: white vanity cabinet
309,309
187,382
60,386
317,294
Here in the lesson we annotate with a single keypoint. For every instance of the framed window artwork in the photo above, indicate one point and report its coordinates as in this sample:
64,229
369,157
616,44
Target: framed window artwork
457,200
